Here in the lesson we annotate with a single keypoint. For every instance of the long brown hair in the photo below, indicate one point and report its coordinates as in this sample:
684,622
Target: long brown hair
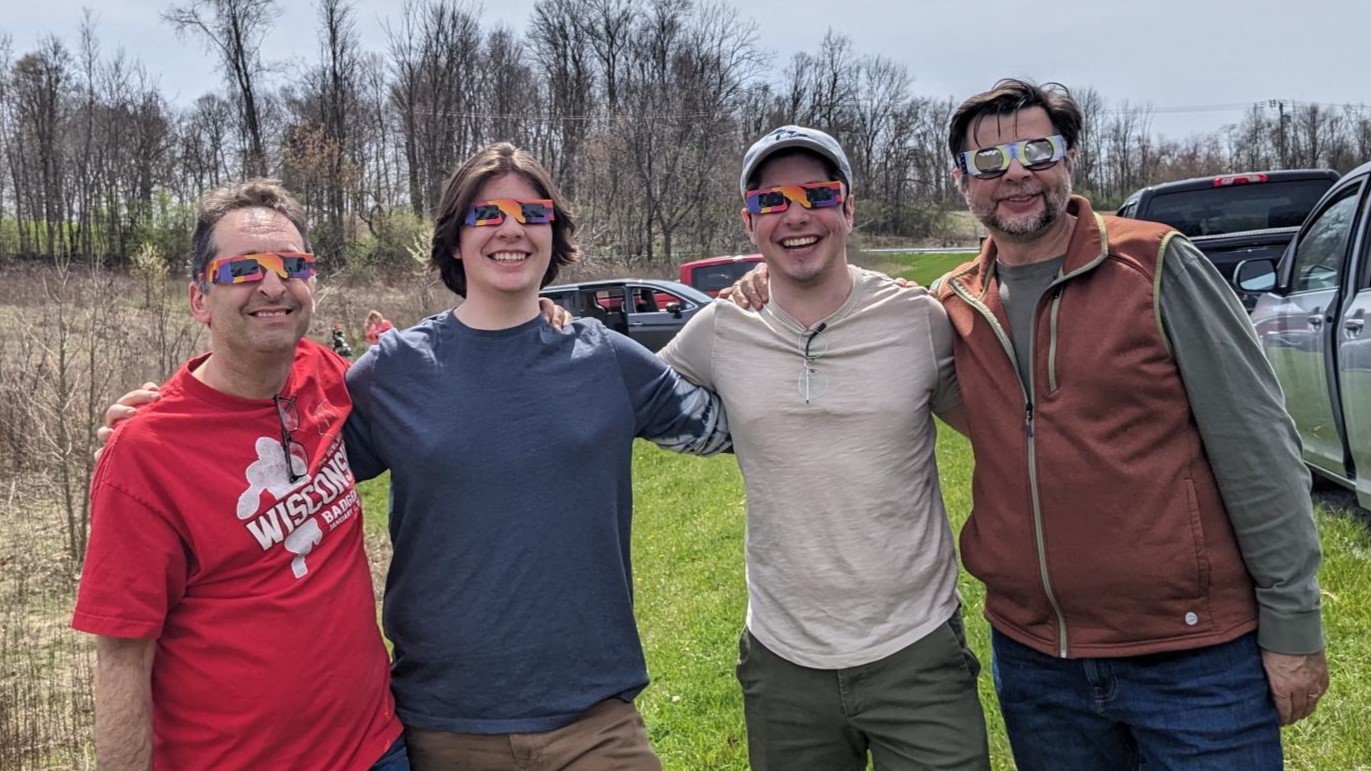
460,190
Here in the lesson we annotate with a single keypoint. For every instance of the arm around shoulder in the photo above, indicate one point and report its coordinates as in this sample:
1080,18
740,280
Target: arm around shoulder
947,394
123,703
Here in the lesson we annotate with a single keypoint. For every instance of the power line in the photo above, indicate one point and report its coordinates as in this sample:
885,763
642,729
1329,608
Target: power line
1238,107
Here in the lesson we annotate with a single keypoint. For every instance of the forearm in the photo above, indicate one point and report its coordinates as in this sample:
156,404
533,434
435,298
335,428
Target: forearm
123,704
704,425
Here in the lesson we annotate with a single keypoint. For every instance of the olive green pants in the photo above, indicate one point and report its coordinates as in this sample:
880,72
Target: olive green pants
915,709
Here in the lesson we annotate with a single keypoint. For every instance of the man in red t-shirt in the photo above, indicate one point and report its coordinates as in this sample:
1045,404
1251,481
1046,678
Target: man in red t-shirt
225,576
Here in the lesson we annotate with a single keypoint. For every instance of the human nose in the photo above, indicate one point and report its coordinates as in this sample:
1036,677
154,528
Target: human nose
509,228
1016,170
795,213
271,285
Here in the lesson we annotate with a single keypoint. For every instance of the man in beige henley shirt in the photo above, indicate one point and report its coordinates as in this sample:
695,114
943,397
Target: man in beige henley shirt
853,641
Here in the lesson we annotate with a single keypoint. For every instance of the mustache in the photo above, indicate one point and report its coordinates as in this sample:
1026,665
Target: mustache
1014,193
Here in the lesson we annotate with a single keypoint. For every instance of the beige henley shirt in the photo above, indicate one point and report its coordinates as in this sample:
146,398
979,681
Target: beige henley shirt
849,554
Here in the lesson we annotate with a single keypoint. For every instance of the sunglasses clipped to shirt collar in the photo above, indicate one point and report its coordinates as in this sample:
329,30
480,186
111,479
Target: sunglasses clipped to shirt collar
494,211
811,195
1032,154
248,268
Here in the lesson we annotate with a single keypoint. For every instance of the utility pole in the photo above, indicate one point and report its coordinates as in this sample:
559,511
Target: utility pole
1279,104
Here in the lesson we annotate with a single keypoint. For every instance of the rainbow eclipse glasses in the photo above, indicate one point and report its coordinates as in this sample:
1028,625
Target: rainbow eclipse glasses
811,195
1032,154
493,212
246,268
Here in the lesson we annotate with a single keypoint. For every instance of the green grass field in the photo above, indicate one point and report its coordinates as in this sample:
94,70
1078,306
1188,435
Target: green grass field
921,268
688,567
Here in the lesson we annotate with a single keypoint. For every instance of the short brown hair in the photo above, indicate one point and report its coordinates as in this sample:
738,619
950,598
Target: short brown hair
1007,97
252,194
460,190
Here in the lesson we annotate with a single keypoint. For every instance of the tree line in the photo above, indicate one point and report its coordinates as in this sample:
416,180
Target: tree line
641,110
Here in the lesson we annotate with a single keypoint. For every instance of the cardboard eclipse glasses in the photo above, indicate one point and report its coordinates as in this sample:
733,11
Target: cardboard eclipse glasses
247,268
811,195
1032,154
494,211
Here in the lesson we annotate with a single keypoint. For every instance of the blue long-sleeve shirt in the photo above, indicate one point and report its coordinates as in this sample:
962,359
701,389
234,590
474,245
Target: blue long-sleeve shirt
510,595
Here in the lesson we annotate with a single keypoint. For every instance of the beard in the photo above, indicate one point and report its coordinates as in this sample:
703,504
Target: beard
1022,227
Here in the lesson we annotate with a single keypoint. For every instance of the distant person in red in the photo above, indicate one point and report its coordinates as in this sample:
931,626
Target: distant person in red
377,324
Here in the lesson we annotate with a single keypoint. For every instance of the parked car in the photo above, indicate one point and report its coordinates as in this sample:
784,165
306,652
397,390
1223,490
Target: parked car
1235,217
715,274
1310,318
647,310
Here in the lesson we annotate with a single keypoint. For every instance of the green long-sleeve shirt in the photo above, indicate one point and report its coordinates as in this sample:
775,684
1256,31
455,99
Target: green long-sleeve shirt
1249,438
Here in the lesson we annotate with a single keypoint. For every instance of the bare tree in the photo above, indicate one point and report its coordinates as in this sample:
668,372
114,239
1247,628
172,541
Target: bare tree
233,30
558,40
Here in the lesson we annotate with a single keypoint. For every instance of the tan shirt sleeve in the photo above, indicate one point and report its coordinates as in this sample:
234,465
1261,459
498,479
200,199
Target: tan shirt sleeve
691,351
947,394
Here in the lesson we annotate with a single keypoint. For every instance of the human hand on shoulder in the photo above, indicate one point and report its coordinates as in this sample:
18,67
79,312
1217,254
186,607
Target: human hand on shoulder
556,315
749,292
124,408
1297,682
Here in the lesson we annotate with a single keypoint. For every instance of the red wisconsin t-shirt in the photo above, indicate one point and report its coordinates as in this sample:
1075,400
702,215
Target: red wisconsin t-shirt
256,589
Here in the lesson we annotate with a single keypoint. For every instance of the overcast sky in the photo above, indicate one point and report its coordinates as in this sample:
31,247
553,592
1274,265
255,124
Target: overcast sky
1197,63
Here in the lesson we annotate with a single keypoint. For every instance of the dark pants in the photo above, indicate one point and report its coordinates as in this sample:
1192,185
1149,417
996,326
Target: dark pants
914,709
610,736
395,759
1208,708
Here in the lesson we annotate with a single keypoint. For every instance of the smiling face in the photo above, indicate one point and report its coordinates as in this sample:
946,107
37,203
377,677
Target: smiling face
802,246
509,259
266,317
1021,205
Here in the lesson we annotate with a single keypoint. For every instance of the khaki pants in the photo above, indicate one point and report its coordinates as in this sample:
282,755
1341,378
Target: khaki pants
609,737
914,709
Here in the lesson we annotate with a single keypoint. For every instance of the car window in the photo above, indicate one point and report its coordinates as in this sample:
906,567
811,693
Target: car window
665,298
712,278
1214,211
610,299
565,299
1323,246
643,300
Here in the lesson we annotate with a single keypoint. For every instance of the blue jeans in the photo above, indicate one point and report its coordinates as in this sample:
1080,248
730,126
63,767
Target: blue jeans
1208,708
395,759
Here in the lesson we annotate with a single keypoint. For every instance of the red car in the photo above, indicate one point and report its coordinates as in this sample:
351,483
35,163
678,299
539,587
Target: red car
717,273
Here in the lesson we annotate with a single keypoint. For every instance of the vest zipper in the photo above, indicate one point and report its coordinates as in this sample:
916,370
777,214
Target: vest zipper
1027,391
1052,344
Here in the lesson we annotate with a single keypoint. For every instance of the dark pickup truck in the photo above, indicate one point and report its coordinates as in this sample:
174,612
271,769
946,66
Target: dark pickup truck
1235,217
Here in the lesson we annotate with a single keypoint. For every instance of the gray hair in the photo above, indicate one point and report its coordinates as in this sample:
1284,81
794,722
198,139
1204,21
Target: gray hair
253,193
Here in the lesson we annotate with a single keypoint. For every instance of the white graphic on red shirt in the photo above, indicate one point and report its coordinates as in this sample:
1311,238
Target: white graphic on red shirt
268,474
301,543
325,416
301,513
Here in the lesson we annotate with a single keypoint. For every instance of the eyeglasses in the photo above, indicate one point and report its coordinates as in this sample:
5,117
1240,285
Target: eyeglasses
811,195
290,421
1032,154
494,211
813,383
247,268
